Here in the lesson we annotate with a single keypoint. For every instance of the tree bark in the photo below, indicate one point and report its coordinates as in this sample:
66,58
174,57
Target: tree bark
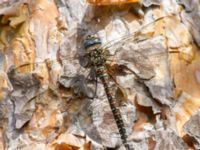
46,82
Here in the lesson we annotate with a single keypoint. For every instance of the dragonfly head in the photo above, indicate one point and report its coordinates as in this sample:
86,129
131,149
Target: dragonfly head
91,40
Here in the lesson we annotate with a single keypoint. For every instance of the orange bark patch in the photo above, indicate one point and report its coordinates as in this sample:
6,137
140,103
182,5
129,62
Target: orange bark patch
111,2
63,146
185,108
187,85
185,74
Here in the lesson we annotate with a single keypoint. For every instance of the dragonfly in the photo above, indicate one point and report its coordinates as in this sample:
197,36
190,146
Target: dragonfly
105,66
98,61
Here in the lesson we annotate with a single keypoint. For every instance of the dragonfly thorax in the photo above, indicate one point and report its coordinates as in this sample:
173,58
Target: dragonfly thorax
96,57
92,45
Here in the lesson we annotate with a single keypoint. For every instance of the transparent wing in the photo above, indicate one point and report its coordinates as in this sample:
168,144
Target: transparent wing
28,89
139,53
78,83
142,58
84,86
133,37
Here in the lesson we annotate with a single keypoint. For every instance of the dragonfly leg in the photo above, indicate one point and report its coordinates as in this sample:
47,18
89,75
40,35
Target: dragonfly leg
127,146
96,84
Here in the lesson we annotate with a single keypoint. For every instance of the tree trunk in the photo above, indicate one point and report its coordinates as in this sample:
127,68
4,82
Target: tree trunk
51,98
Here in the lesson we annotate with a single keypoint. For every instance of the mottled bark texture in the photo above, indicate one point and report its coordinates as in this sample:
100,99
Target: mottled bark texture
46,85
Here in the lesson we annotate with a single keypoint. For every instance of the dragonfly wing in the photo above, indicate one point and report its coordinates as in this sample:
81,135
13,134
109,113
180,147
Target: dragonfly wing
85,120
138,35
142,58
102,118
82,87
80,81
148,60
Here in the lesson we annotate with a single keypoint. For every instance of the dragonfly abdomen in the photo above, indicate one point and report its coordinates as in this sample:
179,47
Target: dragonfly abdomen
103,76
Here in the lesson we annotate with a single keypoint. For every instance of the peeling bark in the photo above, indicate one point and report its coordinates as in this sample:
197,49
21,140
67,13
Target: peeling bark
48,97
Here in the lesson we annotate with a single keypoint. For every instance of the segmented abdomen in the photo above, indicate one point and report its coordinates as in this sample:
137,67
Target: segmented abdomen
102,74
